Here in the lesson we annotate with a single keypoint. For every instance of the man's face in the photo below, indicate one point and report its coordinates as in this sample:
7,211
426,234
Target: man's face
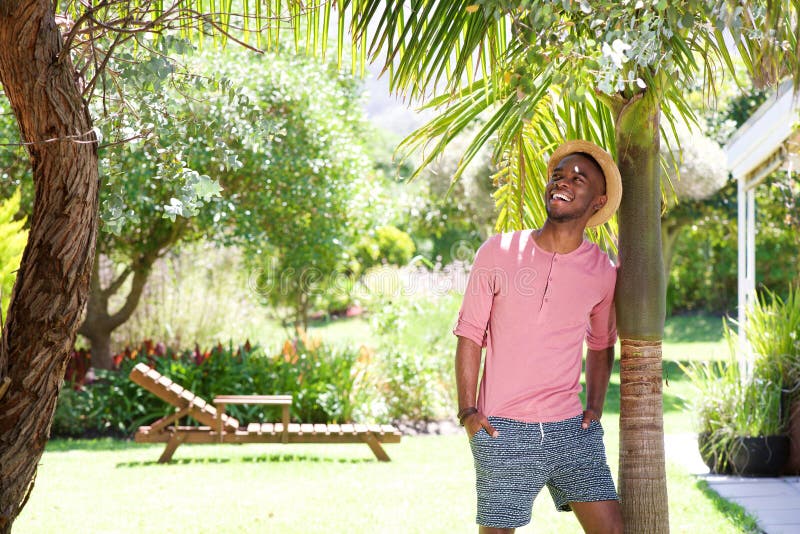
576,189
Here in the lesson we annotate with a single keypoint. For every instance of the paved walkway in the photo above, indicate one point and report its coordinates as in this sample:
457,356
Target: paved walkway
773,502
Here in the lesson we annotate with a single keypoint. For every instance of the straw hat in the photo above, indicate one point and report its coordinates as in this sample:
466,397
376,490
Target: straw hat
607,165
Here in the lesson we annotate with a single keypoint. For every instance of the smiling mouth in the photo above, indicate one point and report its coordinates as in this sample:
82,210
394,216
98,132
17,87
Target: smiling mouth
560,196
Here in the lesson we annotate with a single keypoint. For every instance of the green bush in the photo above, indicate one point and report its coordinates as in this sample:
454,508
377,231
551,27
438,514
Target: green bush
12,243
415,357
73,413
388,245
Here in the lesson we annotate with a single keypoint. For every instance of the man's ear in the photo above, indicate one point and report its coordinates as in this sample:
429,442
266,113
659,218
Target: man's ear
599,202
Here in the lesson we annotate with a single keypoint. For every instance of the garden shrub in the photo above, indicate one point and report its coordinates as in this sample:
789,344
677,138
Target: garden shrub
416,353
12,242
388,245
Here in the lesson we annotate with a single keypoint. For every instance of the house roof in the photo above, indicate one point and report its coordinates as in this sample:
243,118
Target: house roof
768,140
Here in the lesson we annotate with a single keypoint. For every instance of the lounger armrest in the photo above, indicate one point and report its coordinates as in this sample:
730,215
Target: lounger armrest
275,400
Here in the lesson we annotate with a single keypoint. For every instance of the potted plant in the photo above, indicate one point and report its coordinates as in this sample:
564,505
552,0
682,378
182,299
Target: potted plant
740,415
773,331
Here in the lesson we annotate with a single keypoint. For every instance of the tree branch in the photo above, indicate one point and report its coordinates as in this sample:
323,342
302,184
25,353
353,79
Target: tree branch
132,300
117,283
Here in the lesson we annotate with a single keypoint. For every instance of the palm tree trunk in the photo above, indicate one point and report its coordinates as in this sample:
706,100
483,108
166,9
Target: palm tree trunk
640,301
53,278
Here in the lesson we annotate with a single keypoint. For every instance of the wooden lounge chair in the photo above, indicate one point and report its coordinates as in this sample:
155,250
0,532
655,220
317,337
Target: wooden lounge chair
222,428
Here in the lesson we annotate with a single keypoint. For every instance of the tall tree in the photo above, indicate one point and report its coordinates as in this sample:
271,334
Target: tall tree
49,78
146,211
696,168
53,278
604,71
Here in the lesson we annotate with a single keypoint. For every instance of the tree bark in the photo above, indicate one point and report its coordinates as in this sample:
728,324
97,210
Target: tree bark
53,278
640,301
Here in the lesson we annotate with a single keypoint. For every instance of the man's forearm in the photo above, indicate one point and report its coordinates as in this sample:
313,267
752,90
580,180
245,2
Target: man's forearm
468,364
599,364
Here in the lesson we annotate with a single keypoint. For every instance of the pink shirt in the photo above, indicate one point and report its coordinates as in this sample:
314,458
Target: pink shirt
532,310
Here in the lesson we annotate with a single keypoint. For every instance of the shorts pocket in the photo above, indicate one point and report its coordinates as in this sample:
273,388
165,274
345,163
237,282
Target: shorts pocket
475,436
597,426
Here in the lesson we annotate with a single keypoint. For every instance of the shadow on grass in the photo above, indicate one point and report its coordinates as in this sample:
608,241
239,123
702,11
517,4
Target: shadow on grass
692,328
262,458
94,444
737,515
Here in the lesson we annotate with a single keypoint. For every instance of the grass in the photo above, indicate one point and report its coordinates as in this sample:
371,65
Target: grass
116,486
107,486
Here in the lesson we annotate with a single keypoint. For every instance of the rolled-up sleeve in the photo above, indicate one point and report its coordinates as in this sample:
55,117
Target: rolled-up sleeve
602,330
473,317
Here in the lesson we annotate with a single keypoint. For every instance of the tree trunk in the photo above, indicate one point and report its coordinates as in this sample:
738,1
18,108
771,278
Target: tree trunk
99,323
669,239
53,278
640,302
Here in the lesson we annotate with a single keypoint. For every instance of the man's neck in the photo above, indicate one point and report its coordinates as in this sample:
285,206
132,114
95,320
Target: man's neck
561,238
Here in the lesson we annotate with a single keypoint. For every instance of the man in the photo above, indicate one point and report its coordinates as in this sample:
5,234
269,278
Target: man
533,298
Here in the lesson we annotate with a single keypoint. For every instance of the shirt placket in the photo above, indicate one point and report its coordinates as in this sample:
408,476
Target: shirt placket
548,285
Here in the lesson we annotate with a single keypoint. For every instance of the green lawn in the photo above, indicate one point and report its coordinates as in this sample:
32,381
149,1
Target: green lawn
428,487
114,486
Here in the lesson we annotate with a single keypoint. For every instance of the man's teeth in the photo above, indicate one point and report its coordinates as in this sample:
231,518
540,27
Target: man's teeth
561,196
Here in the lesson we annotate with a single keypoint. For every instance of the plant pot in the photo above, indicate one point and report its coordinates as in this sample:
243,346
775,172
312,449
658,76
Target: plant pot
715,459
758,456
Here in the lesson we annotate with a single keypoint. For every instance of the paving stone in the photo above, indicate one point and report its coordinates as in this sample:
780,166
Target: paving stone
772,502
781,529
759,488
779,518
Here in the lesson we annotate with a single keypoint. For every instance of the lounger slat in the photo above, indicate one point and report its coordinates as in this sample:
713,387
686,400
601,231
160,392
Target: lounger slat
268,428
176,389
279,428
254,428
187,396
306,428
361,429
294,428
321,429
334,429
164,381
388,429
348,429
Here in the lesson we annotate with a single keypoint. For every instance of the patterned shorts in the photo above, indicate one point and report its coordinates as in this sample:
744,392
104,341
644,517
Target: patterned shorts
512,468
